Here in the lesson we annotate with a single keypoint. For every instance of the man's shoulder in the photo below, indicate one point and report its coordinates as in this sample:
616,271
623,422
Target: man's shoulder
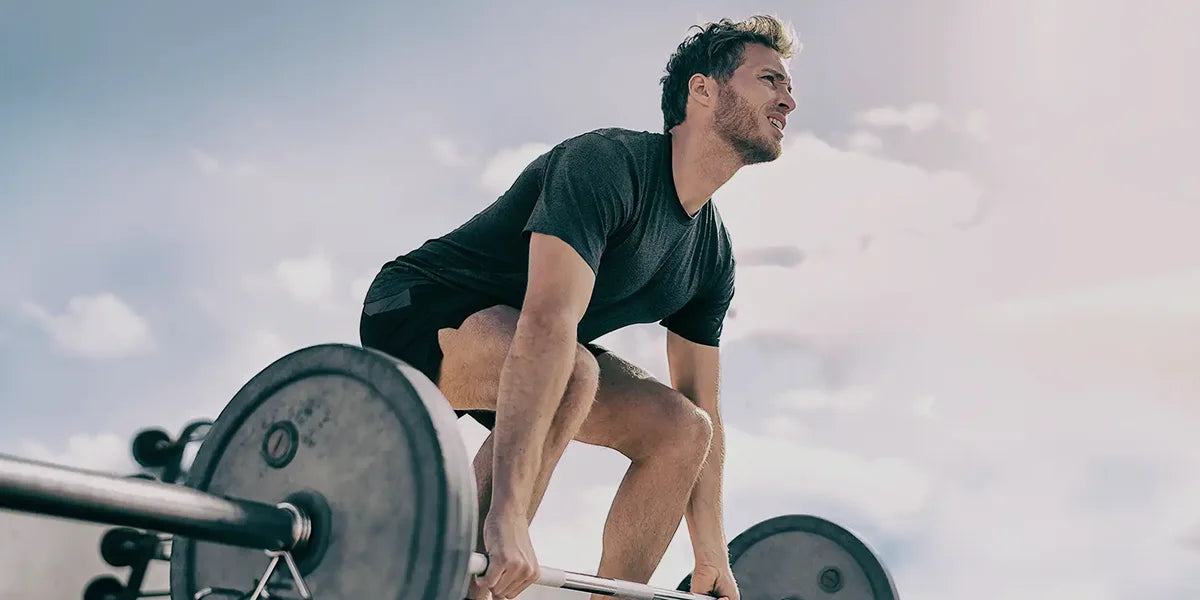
623,135
616,141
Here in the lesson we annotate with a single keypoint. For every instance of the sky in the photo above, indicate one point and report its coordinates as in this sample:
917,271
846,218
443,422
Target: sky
968,293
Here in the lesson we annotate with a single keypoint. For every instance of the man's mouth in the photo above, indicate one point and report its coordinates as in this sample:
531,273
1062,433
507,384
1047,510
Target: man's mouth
776,123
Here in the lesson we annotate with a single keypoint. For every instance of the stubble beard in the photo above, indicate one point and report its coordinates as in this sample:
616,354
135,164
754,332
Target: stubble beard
741,127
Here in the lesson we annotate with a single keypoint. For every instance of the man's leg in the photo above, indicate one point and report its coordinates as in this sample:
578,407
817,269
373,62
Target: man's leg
666,437
474,355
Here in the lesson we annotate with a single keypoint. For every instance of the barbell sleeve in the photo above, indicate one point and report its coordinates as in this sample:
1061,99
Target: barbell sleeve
582,582
58,491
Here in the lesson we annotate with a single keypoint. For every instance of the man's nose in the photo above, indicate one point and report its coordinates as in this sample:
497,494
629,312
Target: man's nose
787,103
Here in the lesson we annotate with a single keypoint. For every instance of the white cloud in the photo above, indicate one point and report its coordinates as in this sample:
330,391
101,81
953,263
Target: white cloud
261,348
247,354
210,165
885,488
819,197
106,452
307,280
1000,424
1143,327
864,141
447,151
1160,295
777,256
975,124
243,353
98,326
849,399
502,169
916,117
206,162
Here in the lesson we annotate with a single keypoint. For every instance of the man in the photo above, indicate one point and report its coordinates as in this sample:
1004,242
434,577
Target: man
610,228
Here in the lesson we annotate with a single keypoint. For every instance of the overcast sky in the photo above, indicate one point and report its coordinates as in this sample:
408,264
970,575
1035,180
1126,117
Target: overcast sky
968,300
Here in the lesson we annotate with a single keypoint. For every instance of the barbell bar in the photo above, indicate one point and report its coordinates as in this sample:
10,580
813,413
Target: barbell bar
51,490
57,491
347,465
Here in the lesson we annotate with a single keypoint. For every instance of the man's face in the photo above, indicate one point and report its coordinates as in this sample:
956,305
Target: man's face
758,93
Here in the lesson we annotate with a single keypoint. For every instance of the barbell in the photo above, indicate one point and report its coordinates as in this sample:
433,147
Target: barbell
345,466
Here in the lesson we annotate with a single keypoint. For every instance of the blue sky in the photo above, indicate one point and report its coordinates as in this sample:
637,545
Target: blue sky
966,310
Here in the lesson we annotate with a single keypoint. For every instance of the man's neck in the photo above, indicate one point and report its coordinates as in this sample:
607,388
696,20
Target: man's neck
701,163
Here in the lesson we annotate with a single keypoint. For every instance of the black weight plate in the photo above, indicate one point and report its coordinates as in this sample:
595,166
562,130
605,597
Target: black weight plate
105,587
150,447
377,442
806,558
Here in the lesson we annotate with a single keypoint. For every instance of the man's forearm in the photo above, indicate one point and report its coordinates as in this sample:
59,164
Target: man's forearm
532,382
704,510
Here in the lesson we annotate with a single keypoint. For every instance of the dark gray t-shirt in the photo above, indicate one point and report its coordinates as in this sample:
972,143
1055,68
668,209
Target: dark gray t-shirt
611,196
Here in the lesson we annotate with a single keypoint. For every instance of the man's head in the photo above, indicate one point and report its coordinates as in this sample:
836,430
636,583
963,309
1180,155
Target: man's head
732,77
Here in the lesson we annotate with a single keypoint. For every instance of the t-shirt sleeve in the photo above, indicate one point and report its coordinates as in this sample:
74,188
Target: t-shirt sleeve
588,190
702,319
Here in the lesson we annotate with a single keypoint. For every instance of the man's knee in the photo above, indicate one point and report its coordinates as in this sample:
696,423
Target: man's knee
694,424
580,393
585,372
675,426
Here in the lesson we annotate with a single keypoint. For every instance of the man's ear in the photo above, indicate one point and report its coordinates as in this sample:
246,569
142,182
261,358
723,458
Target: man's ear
702,90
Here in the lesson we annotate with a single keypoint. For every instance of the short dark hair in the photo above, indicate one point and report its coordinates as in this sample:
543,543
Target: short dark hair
716,51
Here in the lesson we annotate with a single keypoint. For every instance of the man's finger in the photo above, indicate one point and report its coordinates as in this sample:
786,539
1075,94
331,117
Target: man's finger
499,589
505,586
492,577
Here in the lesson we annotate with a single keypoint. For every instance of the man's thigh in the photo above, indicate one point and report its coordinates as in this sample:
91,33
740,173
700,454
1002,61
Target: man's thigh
632,410
473,356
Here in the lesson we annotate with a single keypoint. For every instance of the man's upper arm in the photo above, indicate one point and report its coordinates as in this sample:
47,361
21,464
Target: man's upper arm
560,281
694,337
695,371
702,319
587,194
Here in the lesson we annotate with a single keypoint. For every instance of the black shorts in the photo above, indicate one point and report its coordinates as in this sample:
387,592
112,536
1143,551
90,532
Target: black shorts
403,321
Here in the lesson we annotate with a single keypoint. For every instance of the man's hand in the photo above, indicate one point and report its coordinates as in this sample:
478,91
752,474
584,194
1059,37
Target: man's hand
715,580
512,564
